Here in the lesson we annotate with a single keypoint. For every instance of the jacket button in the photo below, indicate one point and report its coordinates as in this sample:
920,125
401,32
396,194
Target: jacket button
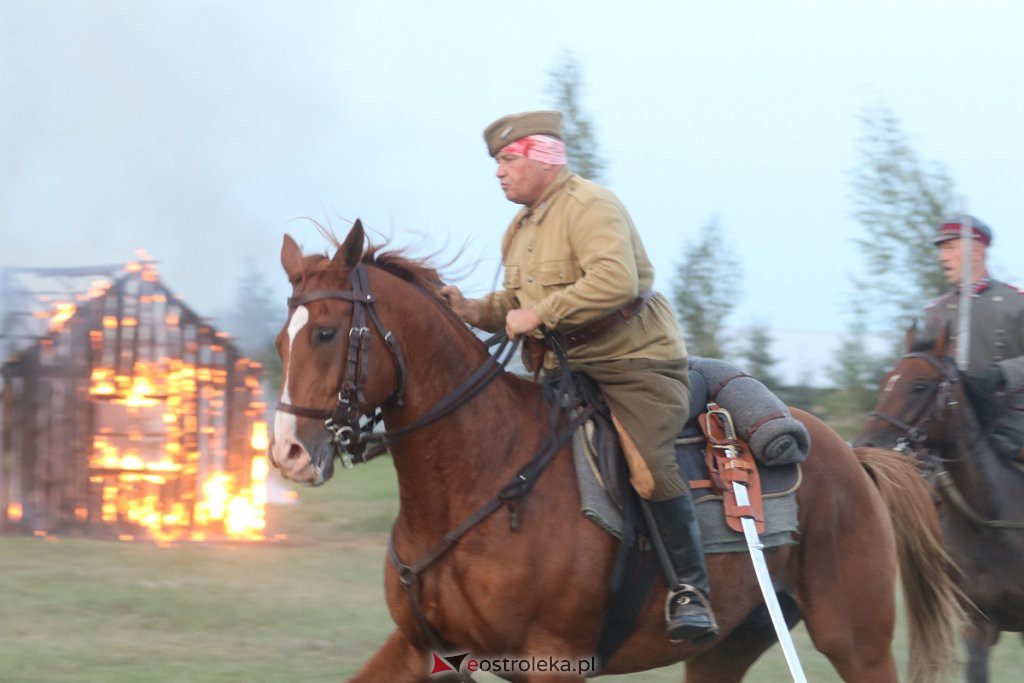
529,280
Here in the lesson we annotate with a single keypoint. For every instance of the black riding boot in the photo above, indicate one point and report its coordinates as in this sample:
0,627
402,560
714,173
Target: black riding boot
687,610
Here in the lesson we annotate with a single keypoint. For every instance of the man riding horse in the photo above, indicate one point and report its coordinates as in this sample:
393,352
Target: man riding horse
574,263
996,343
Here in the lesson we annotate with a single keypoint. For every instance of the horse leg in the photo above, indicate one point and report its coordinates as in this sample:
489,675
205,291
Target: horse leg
851,621
847,593
729,660
979,636
396,661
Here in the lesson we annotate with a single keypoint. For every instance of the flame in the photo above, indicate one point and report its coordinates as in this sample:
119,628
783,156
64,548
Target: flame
167,488
260,441
139,394
14,512
97,288
58,314
63,312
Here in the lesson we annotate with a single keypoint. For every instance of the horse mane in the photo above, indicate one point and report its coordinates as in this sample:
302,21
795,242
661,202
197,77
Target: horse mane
418,271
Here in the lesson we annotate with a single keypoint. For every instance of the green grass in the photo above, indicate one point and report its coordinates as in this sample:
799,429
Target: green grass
310,608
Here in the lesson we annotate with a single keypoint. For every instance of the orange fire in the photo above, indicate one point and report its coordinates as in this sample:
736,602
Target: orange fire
150,475
60,312
14,512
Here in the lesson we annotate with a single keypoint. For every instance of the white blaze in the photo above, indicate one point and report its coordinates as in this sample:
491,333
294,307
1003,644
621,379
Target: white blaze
285,423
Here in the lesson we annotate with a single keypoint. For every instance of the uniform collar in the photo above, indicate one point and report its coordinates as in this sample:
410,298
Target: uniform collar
979,287
540,207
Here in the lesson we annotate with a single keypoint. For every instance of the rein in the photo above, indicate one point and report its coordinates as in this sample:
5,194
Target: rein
944,481
915,434
510,494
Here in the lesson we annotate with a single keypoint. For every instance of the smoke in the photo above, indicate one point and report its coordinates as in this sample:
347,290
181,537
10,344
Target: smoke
178,128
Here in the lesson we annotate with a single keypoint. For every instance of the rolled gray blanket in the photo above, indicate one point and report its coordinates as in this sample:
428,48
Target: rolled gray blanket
761,419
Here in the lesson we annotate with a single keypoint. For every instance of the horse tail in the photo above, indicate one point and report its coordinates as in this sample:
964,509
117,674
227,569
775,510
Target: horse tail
934,602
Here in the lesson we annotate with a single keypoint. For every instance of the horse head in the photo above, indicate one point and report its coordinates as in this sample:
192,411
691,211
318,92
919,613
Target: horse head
911,409
330,377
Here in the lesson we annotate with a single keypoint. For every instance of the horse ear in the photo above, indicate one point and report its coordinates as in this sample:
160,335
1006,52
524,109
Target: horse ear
351,250
942,344
911,335
291,259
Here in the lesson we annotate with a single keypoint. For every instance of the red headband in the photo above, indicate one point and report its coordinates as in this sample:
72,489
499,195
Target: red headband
542,148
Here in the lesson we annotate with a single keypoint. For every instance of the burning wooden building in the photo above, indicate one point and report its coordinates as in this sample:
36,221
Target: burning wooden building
127,414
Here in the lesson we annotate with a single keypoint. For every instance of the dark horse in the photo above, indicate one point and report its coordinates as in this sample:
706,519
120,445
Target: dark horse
542,589
928,408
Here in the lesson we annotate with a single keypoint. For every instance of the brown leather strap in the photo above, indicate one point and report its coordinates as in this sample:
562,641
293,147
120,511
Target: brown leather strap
726,471
535,349
588,332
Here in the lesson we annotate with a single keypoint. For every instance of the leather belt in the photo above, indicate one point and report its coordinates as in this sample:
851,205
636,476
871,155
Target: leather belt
534,348
588,332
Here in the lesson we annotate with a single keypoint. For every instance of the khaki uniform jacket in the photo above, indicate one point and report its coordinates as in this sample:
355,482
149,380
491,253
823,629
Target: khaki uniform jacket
997,328
574,257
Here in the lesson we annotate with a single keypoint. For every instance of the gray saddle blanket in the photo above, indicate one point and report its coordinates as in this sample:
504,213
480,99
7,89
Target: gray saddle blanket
780,509
756,413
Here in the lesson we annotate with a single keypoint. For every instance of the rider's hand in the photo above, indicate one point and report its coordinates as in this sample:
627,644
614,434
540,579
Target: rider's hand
465,308
521,321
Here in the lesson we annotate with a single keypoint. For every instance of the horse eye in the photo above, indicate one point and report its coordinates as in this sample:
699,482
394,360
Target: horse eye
325,335
919,387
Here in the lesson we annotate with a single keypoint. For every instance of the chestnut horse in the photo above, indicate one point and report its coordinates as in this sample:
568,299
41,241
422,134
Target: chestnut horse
926,407
541,589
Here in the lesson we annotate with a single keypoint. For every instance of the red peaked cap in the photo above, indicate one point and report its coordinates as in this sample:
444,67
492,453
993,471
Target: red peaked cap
950,230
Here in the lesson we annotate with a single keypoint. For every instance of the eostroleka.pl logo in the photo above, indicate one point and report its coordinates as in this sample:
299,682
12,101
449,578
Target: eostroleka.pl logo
447,663
512,665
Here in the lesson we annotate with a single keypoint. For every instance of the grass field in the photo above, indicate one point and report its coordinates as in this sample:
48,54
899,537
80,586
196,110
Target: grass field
307,609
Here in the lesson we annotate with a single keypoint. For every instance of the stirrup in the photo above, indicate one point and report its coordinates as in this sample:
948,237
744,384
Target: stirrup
684,595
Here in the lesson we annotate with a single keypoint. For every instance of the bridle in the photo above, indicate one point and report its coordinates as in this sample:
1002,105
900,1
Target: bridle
349,429
938,401
349,434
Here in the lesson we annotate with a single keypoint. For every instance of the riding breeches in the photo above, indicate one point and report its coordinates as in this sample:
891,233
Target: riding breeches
651,399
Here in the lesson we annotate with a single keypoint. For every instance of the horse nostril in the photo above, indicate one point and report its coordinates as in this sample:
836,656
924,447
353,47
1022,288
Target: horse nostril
294,451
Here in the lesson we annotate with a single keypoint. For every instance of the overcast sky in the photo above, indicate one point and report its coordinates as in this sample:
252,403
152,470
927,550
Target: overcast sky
201,130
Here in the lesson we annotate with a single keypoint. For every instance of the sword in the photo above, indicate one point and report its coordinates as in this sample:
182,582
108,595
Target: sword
764,579
963,325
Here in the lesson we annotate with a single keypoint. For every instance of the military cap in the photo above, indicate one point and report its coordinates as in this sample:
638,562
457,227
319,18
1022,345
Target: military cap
508,129
950,230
